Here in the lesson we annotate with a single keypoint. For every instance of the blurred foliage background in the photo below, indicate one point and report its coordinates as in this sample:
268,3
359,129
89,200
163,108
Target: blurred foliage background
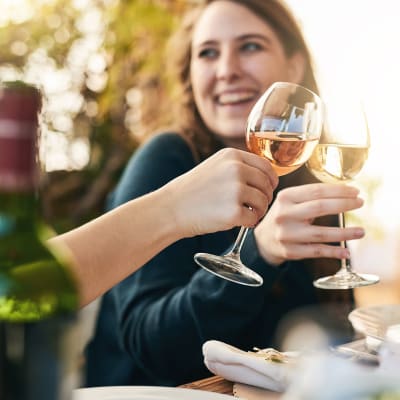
99,64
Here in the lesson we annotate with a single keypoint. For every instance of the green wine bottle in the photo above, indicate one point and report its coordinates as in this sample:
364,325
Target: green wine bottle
38,294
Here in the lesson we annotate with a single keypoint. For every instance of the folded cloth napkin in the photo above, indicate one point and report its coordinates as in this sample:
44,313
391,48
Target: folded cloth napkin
250,368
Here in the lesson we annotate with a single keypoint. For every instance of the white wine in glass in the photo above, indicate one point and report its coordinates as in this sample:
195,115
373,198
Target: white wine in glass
338,158
283,126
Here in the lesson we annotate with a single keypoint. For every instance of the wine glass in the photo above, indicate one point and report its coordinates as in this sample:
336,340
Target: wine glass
284,126
338,158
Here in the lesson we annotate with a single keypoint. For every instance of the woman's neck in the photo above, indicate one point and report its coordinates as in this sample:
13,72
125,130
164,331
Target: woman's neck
237,143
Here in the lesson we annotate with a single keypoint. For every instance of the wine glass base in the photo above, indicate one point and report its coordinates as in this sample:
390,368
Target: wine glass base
346,281
228,268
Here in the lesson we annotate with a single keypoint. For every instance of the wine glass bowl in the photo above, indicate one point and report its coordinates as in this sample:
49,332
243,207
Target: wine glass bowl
283,126
338,158
335,163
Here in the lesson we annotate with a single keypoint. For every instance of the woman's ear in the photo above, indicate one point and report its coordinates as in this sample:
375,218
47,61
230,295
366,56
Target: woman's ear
297,66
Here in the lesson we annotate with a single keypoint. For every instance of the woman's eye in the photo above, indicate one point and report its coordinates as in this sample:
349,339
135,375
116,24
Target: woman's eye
251,46
208,53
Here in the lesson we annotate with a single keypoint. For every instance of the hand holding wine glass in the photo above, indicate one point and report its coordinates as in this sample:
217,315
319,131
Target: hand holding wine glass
284,126
338,158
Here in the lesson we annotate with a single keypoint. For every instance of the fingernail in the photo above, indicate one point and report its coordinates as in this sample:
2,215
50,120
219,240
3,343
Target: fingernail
360,232
355,189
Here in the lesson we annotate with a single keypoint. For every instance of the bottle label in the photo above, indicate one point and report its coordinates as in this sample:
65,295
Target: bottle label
18,167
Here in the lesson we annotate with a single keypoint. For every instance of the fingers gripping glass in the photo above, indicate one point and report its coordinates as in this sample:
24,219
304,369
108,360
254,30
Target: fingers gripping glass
284,126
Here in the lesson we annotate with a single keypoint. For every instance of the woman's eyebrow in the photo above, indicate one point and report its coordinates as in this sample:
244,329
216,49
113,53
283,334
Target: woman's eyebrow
206,43
246,36
259,36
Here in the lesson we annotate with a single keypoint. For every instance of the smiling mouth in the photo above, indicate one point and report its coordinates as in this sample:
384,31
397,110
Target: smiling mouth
234,98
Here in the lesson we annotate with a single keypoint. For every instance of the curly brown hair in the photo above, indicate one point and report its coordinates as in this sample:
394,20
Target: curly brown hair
188,120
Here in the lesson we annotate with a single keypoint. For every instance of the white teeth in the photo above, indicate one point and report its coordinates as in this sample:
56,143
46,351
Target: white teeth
229,98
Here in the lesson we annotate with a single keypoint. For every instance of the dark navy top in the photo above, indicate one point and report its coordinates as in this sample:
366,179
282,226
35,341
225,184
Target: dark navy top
151,327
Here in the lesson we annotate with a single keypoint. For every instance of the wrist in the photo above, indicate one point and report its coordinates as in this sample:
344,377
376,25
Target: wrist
271,259
172,217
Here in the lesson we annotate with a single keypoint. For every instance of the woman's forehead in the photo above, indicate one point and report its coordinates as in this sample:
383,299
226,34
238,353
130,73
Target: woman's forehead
224,19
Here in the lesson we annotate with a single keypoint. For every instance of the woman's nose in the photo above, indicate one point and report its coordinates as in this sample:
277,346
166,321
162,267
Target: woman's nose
228,67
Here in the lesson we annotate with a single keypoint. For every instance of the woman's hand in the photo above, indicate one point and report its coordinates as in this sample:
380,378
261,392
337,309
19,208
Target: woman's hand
230,188
287,231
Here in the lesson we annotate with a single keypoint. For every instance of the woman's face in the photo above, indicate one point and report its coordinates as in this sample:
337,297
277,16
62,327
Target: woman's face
236,56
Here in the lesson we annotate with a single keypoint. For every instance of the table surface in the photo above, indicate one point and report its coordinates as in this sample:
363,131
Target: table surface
217,384
213,384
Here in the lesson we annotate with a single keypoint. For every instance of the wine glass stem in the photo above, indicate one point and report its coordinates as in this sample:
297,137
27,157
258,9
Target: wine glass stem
237,246
345,262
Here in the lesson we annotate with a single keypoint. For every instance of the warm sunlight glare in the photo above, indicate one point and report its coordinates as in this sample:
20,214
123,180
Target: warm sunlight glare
354,44
18,11
15,10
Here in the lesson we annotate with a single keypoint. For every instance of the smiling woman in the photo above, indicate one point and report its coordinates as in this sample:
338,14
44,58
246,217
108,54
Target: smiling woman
220,58
226,54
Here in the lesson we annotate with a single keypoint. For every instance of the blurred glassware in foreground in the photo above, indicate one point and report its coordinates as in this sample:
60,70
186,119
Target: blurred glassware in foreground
389,351
373,322
328,377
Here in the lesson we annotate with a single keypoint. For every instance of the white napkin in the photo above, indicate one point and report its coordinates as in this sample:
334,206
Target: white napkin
237,365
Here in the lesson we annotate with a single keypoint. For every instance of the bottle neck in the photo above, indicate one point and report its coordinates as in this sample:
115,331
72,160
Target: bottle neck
18,168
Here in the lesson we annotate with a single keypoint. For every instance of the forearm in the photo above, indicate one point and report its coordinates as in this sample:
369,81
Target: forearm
109,248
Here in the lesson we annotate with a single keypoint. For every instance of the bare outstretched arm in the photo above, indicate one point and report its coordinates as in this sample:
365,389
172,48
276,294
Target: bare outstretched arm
214,196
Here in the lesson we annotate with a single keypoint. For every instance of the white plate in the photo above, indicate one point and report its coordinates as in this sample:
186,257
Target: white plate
145,393
373,322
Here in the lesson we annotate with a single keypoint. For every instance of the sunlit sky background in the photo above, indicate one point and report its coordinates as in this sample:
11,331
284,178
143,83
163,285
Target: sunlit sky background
355,44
